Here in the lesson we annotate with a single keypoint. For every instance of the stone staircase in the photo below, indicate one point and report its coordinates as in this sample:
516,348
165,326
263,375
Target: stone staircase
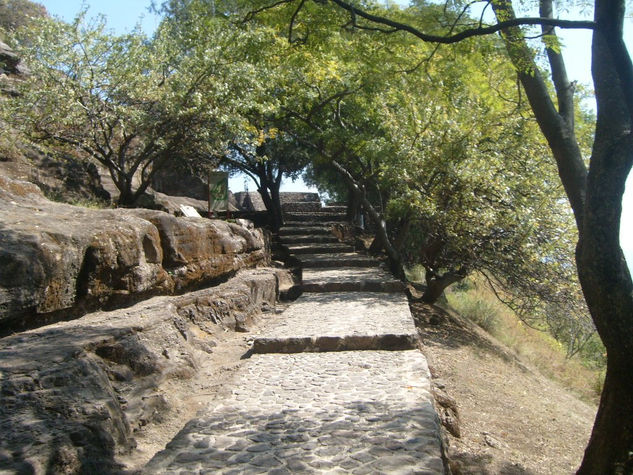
329,265
336,385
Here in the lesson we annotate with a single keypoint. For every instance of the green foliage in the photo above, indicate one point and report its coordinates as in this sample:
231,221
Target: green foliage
480,311
129,102
447,151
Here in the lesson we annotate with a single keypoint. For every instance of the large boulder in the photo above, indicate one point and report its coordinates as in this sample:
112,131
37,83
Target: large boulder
10,62
75,395
57,258
153,199
200,250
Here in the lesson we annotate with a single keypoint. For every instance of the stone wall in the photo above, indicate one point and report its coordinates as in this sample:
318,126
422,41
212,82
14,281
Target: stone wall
249,201
302,197
61,258
290,201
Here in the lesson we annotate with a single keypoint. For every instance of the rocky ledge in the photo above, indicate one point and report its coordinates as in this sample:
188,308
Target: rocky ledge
74,394
59,261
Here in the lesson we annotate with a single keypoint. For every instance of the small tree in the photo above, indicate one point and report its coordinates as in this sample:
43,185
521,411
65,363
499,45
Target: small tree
256,146
125,101
273,157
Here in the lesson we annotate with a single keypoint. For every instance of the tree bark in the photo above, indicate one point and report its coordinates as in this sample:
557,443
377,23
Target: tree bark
353,207
394,256
604,275
278,217
274,211
127,197
596,199
435,285
555,127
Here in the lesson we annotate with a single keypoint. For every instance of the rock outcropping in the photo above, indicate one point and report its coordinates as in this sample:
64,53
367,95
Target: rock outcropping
10,62
58,261
75,393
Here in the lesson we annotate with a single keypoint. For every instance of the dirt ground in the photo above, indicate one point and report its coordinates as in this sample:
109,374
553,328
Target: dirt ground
512,419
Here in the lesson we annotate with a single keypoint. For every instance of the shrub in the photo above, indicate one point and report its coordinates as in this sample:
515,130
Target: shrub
483,313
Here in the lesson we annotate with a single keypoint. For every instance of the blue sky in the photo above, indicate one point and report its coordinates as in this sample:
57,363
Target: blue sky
123,15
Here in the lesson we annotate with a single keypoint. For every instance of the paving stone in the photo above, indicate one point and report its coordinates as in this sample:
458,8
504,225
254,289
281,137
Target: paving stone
336,314
359,279
259,448
379,389
363,457
313,406
323,248
305,230
308,238
265,460
392,462
315,217
336,259
279,471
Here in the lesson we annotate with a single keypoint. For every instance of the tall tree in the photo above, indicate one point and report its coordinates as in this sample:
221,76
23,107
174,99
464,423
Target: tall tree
433,170
257,148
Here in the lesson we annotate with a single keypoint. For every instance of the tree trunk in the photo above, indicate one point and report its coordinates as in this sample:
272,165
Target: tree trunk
556,127
127,197
609,449
353,207
278,217
268,200
435,285
596,198
604,275
381,233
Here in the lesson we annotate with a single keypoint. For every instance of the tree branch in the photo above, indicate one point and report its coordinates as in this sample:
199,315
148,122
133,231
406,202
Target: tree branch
468,33
292,25
564,89
253,13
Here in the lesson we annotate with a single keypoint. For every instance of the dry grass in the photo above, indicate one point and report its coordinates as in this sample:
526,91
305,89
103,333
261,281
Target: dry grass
513,420
533,347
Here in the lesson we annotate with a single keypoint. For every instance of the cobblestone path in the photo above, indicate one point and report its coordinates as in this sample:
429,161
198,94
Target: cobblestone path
336,386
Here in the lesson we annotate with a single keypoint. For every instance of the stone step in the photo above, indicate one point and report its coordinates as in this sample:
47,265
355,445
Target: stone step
372,279
301,207
337,259
320,248
304,230
303,239
342,412
317,217
341,322
335,209
328,224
